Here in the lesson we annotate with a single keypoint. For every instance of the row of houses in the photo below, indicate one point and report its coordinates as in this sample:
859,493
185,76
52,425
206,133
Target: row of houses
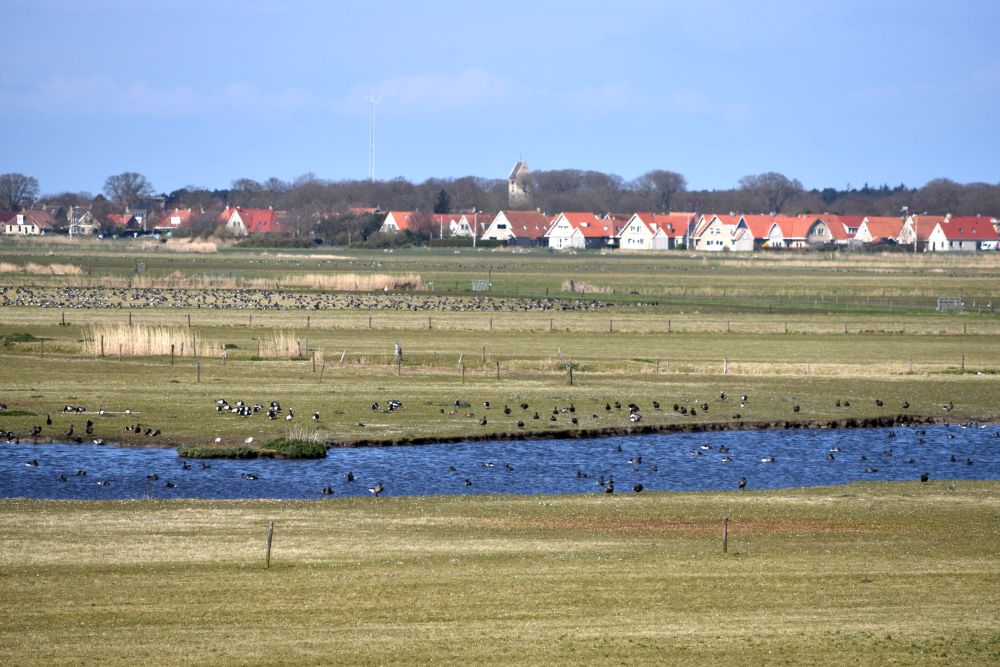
707,232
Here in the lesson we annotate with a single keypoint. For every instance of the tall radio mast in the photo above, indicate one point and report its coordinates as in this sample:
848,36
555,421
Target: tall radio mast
374,99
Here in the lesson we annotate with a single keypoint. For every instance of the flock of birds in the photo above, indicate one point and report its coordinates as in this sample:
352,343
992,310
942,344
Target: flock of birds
517,413
271,300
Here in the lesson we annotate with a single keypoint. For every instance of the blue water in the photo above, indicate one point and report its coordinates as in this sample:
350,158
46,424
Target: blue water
669,462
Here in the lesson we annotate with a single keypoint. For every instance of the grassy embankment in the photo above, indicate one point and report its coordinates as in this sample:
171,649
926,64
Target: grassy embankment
863,574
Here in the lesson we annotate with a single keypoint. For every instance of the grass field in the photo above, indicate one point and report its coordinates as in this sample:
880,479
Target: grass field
875,573
865,574
788,330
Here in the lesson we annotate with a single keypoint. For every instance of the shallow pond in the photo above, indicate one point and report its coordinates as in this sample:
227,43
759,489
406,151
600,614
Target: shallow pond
679,462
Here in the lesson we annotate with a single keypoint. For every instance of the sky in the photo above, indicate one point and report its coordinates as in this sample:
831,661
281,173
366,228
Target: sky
204,92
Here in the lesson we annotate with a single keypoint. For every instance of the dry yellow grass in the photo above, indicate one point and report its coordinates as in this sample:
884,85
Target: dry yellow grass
140,340
354,282
36,269
191,245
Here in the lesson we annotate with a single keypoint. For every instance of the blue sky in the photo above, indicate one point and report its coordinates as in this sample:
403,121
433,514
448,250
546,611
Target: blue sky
204,92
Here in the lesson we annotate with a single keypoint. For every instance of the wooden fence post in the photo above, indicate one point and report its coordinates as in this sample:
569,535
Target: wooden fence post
42,348
322,369
102,346
498,370
308,320
189,320
267,554
725,534
314,360
171,354
725,366
197,372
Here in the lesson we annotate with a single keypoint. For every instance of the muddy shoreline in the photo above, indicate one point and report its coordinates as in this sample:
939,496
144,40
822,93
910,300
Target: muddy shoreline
883,421
644,429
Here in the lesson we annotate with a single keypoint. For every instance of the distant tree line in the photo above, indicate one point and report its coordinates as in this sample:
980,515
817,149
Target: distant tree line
312,204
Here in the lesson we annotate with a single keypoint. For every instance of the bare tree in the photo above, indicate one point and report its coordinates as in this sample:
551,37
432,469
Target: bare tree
17,190
939,196
772,189
658,187
126,188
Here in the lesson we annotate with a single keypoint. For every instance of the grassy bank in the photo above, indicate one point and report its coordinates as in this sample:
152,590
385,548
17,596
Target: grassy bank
862,574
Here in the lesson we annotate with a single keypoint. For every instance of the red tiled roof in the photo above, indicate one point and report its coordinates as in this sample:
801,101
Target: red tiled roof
794,226
883,226
970,227
528,224
925,225
401,218
590,225
167,220
838,225
672,224
260,220
759,225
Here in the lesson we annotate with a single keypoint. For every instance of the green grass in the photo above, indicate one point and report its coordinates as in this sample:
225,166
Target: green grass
863,574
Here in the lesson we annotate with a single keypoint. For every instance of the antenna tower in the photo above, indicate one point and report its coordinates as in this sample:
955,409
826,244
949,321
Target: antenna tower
374,99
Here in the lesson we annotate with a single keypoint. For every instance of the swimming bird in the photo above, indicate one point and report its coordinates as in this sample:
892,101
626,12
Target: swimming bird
169,484
32,463
870,469
377,489
153,477
80,473
349,476
248,475
767,459
637,488
924,477
104,482
62,478
468,482
742,484
327,490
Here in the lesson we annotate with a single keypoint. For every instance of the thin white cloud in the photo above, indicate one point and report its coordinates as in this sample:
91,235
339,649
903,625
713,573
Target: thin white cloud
100,95
692,101
430,94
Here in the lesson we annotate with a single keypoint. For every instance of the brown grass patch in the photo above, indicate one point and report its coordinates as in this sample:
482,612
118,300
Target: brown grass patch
140,340
355,282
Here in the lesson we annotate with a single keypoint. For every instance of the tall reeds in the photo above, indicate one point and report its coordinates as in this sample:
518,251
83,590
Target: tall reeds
140,340
41,269
355,282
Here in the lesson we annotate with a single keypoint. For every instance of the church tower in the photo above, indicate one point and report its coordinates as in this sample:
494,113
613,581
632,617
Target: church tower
519,186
